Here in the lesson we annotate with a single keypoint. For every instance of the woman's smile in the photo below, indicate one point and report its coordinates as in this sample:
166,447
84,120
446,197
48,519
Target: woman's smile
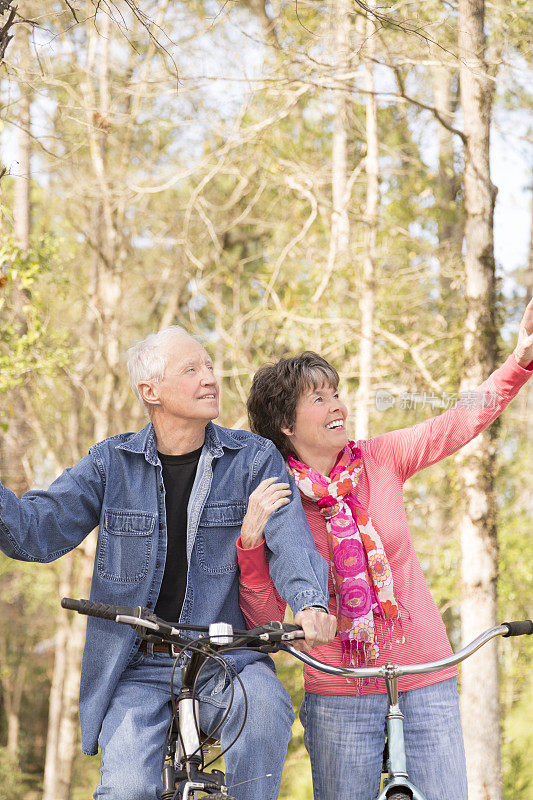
319,431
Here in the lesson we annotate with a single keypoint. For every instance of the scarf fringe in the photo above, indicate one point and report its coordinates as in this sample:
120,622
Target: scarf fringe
393,631
359,654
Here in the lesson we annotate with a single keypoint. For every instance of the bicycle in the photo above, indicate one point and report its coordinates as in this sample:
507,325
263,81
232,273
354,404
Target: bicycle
184,775
396,783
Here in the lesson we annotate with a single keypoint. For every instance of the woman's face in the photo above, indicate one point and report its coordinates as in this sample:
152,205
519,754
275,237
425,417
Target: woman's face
319,432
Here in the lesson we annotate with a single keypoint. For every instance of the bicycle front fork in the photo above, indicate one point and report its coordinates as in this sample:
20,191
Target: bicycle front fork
183,776
396,766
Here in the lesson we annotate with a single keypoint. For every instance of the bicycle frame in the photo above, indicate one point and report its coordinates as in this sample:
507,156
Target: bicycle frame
183,765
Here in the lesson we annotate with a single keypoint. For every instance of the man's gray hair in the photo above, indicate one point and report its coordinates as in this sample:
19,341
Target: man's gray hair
146,361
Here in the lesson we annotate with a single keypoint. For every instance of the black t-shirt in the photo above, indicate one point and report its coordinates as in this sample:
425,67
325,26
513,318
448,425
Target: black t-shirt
178,476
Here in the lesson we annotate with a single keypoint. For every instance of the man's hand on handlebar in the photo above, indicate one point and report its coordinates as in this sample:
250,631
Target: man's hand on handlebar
319,628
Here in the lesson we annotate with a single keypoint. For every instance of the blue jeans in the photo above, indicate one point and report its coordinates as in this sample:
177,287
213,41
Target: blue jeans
132,738
345,736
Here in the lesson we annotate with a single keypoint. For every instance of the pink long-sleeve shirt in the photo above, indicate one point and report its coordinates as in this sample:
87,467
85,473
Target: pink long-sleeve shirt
388,461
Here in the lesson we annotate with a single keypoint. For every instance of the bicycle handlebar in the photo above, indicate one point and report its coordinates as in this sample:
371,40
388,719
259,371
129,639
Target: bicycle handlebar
221,635
272,635
506,629
518,628
94,609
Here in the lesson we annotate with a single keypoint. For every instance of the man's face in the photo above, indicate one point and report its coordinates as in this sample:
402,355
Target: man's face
189,389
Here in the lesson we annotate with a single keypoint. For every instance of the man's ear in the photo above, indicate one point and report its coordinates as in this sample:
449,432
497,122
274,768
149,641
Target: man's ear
149,393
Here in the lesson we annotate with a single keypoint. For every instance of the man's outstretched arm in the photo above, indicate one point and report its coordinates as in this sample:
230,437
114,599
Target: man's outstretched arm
44,525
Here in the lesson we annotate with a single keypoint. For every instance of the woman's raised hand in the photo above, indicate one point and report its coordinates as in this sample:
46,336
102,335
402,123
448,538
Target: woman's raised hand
270,495
524,347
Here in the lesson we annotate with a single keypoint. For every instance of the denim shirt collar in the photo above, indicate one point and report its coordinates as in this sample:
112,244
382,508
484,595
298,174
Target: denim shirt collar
216,439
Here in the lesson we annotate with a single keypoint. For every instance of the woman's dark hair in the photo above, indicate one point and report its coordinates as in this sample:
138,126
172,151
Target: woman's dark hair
276,389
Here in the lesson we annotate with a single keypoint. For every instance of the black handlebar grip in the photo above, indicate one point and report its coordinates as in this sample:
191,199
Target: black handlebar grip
94,609
518,628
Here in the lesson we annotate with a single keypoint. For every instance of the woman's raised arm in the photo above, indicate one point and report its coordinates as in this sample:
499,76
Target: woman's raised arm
411,449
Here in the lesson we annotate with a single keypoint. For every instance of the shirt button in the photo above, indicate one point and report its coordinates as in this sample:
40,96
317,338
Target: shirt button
161,488
149,605
161,526
157,564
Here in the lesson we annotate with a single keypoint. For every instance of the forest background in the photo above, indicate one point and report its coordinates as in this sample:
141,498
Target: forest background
274,177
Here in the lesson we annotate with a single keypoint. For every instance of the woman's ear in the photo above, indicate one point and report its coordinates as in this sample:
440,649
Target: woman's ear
287,431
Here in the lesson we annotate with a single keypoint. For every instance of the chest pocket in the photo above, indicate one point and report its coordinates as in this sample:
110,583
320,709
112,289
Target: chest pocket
218,531
125,545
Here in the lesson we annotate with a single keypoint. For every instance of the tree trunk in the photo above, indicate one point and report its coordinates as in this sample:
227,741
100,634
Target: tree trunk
22,208
55,705
15,442
107,283
528,394
67,737
367,289
450,220
16,435
340,225
105,296
479,687
12,685
13,729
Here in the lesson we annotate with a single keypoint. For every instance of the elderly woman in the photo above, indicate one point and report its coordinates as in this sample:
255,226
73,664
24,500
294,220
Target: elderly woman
352,497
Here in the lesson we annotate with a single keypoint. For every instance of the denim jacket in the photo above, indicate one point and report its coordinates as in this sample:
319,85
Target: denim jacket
118,486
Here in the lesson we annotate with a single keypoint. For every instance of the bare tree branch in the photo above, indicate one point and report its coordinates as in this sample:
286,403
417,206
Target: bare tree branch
5,36
72,11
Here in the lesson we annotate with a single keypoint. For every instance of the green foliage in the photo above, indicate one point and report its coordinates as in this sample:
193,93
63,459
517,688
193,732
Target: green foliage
296,782
517,744
515,587
28,600
27,345
86,775
14,783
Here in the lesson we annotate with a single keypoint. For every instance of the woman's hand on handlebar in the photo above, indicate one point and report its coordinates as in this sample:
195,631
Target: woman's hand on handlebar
270,495
319,628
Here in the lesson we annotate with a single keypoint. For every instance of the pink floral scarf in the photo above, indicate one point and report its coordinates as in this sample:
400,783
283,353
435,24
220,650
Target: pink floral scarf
361,573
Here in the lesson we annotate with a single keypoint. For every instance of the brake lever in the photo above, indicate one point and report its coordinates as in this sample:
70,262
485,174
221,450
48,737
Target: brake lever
137,622
278,634
289,636
144,623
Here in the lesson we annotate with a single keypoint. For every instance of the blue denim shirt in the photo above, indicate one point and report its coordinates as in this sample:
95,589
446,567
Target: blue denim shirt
118,486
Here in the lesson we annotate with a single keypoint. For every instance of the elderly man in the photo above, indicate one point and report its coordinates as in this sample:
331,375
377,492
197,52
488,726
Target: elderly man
169,502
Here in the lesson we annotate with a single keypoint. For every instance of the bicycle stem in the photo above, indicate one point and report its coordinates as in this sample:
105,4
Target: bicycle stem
397,765
396,761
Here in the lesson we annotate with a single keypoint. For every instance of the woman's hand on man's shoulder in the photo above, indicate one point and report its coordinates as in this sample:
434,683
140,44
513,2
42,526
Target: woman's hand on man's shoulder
271,494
